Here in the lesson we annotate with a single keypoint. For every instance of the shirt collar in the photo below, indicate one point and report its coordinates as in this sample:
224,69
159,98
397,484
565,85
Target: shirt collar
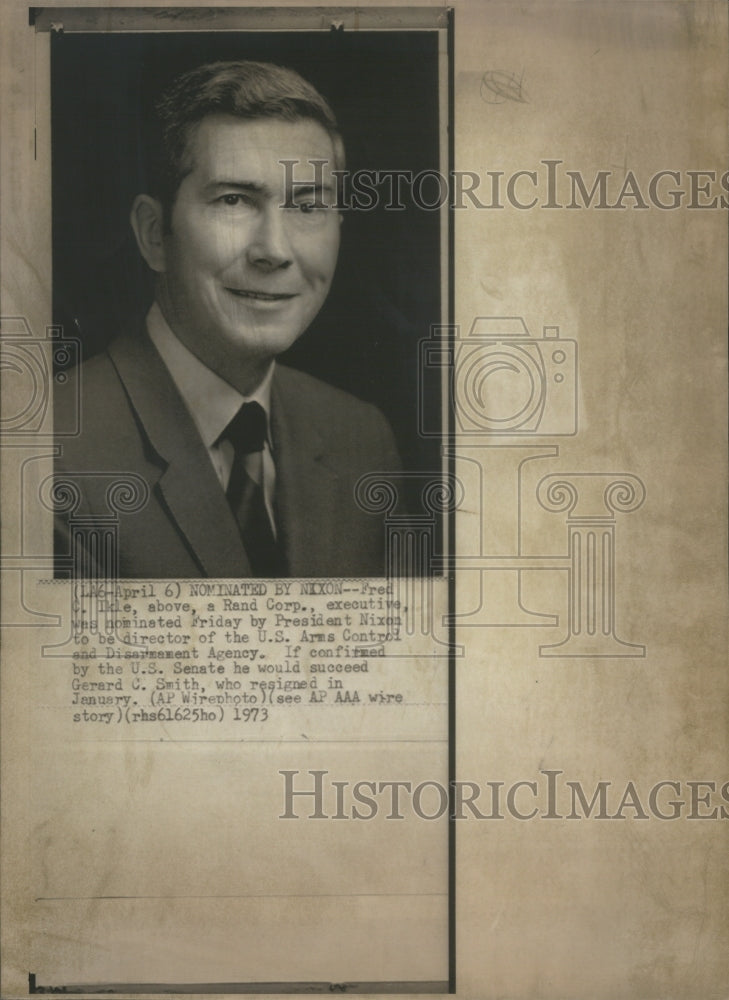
211,400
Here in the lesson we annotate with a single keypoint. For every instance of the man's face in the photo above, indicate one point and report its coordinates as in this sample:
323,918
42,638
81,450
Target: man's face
243,276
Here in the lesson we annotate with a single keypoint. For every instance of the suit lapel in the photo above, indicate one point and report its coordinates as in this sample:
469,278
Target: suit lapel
306,483
188,485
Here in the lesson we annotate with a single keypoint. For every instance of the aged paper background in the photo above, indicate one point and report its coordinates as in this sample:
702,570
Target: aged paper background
620,908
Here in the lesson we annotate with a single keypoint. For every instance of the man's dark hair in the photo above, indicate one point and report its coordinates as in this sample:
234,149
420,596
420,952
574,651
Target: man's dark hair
247,90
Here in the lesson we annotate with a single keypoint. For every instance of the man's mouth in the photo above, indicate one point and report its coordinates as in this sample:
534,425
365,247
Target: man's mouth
262,296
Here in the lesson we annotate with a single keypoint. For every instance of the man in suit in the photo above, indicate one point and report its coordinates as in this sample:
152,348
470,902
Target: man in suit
211,458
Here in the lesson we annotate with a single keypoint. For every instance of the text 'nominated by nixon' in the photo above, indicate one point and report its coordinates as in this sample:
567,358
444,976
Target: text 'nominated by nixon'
278,659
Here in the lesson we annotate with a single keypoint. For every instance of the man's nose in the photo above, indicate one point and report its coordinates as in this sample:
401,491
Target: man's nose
269,247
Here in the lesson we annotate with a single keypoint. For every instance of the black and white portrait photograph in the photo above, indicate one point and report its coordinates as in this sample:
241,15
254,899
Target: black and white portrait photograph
238,248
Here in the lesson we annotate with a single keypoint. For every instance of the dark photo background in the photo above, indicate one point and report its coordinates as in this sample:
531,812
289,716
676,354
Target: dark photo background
383,87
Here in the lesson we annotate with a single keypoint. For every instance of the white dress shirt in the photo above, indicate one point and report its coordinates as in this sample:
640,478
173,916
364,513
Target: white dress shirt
213,403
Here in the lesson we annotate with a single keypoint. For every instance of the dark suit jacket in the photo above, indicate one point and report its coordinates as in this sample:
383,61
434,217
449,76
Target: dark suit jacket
133,421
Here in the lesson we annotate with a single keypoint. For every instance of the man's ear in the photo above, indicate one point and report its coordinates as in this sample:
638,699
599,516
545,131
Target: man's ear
148,225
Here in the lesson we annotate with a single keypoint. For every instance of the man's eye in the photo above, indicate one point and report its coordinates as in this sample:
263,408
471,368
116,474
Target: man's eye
308,207
232,199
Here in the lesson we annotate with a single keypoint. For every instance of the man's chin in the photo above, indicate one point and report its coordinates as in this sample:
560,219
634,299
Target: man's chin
260,345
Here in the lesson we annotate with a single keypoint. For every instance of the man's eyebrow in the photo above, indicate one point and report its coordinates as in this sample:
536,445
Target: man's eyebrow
248,186
302,187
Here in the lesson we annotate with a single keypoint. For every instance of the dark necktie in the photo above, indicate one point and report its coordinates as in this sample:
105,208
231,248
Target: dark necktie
247,433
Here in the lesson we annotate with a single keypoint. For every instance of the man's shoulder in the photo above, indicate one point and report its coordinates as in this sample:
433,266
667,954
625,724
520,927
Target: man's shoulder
92,386
309,413
99,373
301,390
106,417
99,366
